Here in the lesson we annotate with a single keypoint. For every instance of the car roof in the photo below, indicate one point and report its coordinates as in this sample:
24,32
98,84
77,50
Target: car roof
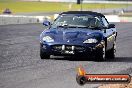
83,12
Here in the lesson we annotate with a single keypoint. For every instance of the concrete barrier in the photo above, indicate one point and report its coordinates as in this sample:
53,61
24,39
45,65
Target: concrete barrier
18,19
112,18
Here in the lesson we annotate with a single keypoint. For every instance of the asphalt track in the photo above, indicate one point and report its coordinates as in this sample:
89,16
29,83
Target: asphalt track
21,66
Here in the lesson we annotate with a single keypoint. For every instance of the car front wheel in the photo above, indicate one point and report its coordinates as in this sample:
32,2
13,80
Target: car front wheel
44,55
101,54
111,53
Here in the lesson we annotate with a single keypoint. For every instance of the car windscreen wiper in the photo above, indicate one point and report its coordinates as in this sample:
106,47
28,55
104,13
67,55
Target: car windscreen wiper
95,28
77,26
63,25
67,26
72,26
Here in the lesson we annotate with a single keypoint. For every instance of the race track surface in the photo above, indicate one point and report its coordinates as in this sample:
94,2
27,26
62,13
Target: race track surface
21,66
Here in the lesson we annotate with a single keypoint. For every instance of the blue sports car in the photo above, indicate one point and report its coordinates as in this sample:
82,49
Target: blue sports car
79,33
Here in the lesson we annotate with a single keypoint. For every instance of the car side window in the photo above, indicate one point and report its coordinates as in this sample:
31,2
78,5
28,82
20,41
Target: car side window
105,22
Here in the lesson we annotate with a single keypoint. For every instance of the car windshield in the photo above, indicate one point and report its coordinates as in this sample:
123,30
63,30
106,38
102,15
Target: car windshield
72,21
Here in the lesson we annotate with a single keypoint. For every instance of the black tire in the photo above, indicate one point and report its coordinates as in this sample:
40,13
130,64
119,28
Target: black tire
101,54
111,52
44,55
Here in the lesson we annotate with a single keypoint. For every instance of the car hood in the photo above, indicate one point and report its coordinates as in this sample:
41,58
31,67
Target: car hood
75,35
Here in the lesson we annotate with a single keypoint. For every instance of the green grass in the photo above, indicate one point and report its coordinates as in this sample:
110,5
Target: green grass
21,7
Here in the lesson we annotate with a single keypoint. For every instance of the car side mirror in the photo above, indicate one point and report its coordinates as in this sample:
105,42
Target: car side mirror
111,26
46,23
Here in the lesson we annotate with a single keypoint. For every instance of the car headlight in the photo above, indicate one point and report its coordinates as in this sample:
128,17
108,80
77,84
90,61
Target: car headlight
48,39
91,40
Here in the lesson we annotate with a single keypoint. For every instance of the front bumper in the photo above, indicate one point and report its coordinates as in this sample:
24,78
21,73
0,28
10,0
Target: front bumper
70,50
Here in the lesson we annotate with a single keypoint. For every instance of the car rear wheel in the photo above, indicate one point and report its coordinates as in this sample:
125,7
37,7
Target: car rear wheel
44,55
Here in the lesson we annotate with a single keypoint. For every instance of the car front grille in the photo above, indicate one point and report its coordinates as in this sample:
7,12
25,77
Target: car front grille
57,47
67,47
